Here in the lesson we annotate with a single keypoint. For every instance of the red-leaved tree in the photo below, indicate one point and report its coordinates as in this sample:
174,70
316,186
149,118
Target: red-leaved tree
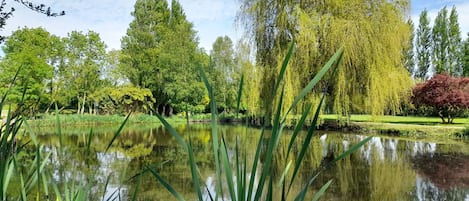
447,95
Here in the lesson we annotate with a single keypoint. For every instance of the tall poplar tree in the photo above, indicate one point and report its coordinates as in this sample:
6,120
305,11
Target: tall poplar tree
423,46
372,77
440,36
454,44
409,60
465,57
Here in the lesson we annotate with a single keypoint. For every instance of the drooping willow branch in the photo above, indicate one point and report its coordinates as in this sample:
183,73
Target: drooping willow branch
40,8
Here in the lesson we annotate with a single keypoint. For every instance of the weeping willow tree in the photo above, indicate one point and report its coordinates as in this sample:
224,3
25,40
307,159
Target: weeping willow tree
371,79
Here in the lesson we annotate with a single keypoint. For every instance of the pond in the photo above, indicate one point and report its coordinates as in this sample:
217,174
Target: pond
386,168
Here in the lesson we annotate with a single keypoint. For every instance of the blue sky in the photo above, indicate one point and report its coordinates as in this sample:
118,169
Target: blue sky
211,18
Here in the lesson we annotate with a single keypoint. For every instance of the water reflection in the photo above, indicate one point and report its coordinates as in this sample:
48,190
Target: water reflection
384,169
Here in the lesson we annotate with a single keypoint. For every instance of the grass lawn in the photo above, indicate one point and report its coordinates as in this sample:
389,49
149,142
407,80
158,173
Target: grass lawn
86,119
407,125
402,120
399,125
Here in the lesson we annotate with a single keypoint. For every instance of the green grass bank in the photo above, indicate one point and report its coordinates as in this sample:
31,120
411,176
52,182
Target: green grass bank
393,125
403,125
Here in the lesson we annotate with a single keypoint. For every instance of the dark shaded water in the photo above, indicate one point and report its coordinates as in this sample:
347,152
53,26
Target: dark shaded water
384,169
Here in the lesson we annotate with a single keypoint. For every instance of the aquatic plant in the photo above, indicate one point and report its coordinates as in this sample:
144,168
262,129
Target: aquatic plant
232,172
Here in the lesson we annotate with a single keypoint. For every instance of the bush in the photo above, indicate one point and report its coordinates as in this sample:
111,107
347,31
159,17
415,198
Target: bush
447,96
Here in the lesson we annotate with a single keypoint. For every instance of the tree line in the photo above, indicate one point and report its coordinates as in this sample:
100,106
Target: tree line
439,48
156,69
440,66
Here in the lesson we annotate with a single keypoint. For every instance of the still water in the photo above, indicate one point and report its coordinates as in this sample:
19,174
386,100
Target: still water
386,168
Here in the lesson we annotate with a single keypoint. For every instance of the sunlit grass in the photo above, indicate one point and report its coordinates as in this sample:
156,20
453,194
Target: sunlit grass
412,126
75,120
400,119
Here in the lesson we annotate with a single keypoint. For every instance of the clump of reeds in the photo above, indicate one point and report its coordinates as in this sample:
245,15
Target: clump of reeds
233,172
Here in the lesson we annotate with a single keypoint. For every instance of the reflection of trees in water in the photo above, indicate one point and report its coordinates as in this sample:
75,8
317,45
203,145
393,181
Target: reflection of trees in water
380,170
441,176
425,190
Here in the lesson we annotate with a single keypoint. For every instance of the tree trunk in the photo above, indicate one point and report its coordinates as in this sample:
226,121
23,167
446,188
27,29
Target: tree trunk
440,113
163,110
90,109
83,104
50,105
78,105
170,112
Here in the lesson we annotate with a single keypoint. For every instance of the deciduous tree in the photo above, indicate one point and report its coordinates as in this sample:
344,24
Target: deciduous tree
28,53
423,46
160,53
447,95
250,99
409,60
440,38
81,66
224,73
372,77
465,57
454,44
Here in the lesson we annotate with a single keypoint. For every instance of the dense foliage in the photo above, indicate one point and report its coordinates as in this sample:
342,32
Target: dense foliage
440,48
160,53
446,41
69,71
28,53
423,46
465,56
372,78
409,50
448,96
80,67
223,63
119,100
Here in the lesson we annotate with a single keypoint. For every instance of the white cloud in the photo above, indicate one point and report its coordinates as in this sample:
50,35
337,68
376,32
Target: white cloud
110,18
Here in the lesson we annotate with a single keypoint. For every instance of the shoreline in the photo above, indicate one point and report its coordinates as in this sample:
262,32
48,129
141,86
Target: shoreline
328,124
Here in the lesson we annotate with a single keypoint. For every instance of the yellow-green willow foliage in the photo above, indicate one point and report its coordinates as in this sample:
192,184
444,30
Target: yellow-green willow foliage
250,100
372,78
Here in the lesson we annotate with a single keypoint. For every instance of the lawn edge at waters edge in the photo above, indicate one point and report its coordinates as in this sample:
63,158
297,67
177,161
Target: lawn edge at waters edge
387,125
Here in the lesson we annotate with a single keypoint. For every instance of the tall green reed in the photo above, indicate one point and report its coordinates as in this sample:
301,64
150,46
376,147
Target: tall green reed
30,177
240,185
